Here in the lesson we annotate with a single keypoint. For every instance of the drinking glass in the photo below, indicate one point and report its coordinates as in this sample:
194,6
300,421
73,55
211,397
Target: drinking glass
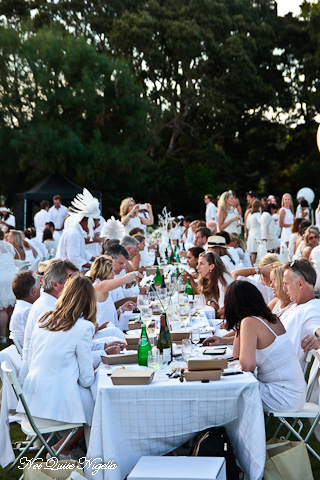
153,359
195,338
186,349
199,303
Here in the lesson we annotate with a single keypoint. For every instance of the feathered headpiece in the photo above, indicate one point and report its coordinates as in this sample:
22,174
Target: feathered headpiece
113,229
85,205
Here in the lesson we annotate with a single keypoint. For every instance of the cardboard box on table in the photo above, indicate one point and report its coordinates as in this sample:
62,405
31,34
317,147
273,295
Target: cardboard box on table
179,468
123,376
208,369
121,358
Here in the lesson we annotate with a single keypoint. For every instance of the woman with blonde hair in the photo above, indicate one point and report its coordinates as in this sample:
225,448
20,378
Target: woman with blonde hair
102,276
228,216
129,211
281,302
286,218
23,250
213,280
57,386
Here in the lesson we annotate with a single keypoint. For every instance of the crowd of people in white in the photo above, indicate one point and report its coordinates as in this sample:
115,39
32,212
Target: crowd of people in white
65,283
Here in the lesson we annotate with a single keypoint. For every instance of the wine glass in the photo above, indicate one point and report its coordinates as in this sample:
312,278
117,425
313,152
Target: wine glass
143,303
184,308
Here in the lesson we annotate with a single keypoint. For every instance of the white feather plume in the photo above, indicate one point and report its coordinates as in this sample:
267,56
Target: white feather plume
85,205
113,229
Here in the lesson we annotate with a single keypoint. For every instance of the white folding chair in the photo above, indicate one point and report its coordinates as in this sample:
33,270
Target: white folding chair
309,411
37,427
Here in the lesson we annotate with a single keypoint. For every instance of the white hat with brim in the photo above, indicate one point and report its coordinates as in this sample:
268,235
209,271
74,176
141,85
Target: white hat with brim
216,241
5,209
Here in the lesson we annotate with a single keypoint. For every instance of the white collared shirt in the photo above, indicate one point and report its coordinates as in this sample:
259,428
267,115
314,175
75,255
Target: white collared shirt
19,319
58,215
40,220
72,246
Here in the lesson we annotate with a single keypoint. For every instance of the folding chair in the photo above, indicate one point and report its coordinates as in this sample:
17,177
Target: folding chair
36,428
309,411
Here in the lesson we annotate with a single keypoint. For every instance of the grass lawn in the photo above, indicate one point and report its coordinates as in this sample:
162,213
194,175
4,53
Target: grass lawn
16,435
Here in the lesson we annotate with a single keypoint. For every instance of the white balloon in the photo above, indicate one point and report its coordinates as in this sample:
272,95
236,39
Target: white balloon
307,194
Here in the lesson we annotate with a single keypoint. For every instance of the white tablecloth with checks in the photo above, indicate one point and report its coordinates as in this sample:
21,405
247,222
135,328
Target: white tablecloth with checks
132,421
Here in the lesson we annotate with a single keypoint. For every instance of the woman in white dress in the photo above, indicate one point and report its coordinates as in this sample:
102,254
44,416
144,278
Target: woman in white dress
268,229
8,270
61,373
213,280
228,216
254,229
261,342
130,219
286,218
23,250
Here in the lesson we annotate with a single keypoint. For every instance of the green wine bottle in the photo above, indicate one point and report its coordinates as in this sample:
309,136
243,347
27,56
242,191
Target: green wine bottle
157,278
163,283
164,340
144,347
189,290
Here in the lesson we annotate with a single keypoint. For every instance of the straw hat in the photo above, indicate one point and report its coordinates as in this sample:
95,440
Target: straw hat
216,241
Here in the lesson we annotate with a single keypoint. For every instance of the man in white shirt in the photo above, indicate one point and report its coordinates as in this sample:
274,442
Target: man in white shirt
72,245
26,289
41,218
54,278
211,209
302,320
58,212
83,214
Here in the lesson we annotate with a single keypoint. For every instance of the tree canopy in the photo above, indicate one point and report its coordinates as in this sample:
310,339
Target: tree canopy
163,100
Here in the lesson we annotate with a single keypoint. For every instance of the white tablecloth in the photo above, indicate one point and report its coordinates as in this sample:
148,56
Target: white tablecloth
132,421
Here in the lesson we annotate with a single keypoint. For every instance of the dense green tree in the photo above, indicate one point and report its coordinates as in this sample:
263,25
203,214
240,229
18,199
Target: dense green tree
65,107
227,83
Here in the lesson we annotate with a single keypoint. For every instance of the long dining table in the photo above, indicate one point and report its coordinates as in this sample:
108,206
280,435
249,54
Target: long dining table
133,421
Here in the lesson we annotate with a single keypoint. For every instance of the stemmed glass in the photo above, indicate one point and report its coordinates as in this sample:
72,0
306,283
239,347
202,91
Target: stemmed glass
184,308
144,307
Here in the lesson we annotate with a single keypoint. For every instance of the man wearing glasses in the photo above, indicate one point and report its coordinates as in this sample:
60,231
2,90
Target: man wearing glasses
302,320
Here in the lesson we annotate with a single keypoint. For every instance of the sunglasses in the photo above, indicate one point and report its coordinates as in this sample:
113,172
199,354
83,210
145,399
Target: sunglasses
293,265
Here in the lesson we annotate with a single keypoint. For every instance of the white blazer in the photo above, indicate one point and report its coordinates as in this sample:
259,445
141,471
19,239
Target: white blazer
60,364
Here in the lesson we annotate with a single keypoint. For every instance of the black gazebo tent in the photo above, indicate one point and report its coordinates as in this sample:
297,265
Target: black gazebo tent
56,184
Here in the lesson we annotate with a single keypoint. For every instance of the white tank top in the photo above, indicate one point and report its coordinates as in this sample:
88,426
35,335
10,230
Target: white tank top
278,362
232,228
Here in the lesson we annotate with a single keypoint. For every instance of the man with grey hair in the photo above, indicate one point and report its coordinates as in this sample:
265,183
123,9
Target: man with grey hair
54,278
131,244
120,255
302,320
